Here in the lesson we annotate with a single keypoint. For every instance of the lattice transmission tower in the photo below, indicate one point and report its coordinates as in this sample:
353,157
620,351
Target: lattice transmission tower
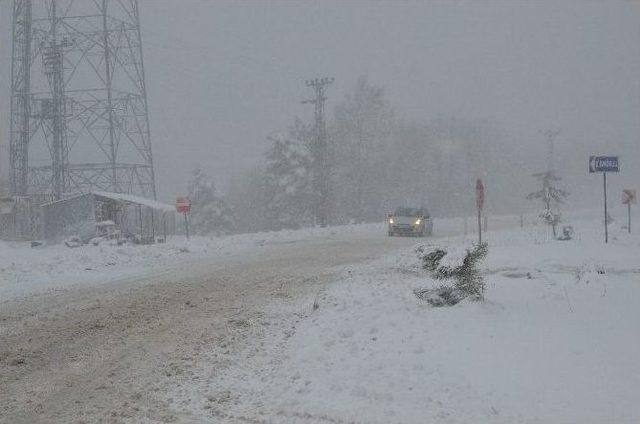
79,119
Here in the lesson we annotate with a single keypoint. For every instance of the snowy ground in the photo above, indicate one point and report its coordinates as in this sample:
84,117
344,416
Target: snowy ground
228,331
25,270
560,345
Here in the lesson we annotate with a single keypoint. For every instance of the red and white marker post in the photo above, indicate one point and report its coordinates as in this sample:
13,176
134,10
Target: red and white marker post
629,198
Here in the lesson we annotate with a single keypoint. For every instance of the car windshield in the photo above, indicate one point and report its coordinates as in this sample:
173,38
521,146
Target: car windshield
410,212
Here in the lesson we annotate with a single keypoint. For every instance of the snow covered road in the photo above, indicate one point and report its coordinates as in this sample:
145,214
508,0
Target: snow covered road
113,350
321,326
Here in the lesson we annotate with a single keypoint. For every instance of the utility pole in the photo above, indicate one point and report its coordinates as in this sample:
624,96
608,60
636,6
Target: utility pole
319,151
606,214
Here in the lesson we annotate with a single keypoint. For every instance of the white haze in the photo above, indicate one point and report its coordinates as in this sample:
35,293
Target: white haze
221,76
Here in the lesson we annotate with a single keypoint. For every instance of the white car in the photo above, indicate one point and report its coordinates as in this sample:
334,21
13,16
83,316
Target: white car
410,222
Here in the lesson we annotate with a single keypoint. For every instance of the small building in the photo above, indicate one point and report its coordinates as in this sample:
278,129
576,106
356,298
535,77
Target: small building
98,213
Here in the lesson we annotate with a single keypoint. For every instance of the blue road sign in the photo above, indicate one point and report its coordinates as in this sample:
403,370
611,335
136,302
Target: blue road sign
603,164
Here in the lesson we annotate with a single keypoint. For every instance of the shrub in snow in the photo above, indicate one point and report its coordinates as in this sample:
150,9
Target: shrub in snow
467,277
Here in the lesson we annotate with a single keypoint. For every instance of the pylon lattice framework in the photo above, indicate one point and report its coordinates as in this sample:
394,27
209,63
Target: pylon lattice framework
79,119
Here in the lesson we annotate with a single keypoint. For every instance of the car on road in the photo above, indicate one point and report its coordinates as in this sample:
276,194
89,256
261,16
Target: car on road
410,222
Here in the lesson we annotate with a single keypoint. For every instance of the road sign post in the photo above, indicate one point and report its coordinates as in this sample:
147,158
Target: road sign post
606,215
183,206
628,198
480,205
604,164
186,225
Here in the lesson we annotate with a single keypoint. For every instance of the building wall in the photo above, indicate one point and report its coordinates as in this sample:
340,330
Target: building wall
20,219
71,217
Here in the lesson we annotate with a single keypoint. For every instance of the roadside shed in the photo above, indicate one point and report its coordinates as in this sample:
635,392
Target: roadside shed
136,218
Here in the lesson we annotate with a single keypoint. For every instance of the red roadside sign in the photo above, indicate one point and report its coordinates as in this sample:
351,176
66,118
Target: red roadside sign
479,194
183,205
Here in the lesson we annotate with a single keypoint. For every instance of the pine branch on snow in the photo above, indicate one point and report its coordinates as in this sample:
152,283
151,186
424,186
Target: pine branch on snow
467,276
431,260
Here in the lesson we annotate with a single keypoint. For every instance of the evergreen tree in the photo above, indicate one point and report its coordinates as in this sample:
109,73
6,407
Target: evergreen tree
248,197
362,140
210,214
551,197
288,180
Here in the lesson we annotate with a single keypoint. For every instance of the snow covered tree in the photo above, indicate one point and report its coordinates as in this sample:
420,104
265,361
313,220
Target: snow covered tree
288,180
248,196
210,214
364,124
551,197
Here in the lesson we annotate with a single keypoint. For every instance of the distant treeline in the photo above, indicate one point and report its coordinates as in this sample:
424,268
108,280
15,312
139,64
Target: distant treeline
378,161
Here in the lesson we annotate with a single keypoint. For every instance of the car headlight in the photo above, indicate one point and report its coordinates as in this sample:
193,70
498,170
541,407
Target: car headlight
418,221
390,220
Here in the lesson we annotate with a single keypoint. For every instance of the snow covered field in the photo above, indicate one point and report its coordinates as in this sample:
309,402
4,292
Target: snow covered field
556,340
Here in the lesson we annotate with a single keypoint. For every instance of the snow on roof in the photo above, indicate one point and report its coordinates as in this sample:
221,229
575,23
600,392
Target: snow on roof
105,223
130,198
66,199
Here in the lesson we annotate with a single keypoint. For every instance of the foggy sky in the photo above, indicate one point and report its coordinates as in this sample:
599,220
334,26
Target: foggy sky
223,75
